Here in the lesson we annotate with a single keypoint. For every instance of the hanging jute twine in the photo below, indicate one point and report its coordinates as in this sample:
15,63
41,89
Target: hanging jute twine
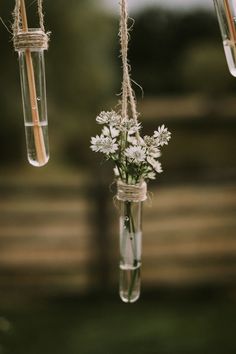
24,38
128,192
131,193
128,95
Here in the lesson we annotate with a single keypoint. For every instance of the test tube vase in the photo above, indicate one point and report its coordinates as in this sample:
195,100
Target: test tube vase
33,88
130,250
226,13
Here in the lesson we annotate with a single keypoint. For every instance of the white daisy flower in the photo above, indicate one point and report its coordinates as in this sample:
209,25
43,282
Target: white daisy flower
108,145
102,118
111,118
130,126
152,146
96,143
112,132
135,154
150,140
114,119
134,141
151,175
156,165
162,136
153,151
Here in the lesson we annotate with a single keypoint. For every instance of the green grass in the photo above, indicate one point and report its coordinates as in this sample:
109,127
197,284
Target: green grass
95,326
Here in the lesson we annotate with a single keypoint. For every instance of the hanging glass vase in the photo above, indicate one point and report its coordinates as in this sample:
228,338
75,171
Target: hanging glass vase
33,88
131,198
130,250
226,13
30,44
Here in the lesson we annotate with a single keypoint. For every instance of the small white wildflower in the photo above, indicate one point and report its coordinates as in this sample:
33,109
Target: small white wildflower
135,154
162,135
136,141
132,140
108,145
153,151
129,126
96,143
111,118
150,140
156,165
114,119
112,132
151,175
102,118
152,146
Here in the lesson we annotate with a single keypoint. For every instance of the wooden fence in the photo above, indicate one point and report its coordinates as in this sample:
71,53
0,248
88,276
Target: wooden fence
62,239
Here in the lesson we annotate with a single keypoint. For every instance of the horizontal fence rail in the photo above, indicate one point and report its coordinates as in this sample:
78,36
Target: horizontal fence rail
63,239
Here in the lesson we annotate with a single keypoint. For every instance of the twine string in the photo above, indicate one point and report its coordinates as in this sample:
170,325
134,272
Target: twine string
41,15
125,191
23,38
128,96
17,18
124,40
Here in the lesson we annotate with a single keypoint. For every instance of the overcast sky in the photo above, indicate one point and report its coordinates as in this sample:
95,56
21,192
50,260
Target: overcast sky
173,4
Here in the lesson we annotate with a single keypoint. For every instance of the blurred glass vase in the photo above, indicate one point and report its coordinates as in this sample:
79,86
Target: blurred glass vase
226,13
33,87
130,250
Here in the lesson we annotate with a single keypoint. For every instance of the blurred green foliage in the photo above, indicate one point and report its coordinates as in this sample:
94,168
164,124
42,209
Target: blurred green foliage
154,326
173,52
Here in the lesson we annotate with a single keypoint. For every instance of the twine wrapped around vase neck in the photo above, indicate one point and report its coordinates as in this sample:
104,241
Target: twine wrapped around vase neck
25,38
131,193
32,39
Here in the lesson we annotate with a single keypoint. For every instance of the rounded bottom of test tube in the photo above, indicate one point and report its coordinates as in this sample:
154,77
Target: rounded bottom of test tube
37,143
130,283
36,163
230,53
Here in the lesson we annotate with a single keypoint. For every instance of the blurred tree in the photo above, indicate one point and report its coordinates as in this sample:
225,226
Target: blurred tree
161,45
11,124
203,68
81,72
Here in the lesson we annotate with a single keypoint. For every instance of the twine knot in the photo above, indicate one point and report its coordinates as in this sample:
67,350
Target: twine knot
31,39
131,192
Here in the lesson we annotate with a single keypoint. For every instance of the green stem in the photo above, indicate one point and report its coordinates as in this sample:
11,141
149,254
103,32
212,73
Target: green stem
135,273
131,228
117,165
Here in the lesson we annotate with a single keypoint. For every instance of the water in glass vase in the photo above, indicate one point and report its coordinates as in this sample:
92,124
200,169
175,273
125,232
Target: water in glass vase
37,143
230,53
130,280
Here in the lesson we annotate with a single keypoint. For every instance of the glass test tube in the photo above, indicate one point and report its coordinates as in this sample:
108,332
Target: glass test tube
226,13
130,250
33,87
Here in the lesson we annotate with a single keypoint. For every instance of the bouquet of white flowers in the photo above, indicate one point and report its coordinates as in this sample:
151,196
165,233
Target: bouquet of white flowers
135,158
